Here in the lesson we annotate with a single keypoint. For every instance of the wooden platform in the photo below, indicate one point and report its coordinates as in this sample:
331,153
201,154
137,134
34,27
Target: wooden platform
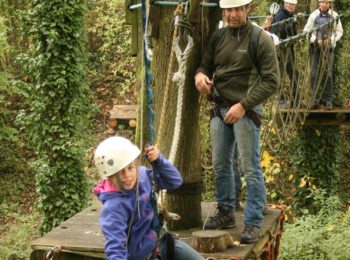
122,117
321,116
80,236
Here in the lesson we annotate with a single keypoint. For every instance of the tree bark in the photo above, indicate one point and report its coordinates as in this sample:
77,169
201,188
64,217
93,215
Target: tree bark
188,197
211,241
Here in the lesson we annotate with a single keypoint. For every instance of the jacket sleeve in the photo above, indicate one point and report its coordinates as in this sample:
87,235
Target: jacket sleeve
207,65
338,31
310,24
114,224
167,175
269,73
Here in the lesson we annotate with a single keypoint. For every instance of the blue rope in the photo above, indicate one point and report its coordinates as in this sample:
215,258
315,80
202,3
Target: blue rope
150,116
149,79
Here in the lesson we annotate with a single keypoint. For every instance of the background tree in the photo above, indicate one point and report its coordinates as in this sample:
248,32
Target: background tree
57,108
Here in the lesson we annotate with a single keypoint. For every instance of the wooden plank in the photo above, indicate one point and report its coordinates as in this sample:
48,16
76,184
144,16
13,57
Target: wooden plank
123,112
334,117
81,234
239,251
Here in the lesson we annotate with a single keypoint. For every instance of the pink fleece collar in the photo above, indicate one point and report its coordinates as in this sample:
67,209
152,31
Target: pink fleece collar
105,186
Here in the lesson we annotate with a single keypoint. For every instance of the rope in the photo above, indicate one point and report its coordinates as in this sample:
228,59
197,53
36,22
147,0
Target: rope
178,11
148,77
179,77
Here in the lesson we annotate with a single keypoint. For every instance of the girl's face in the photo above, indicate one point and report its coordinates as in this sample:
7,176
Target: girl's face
128,176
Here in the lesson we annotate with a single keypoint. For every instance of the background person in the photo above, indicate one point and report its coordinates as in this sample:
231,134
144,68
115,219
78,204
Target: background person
286,57
323,41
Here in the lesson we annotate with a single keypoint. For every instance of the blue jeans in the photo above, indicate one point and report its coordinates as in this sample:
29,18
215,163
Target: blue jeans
236,169
182,251
247,136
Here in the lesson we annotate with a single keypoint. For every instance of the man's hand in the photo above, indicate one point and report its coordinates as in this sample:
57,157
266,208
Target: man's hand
234,114
152,153
203,83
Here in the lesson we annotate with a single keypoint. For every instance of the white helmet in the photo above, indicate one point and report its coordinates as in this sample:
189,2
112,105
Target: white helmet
294,2
114,154
233,3
274,7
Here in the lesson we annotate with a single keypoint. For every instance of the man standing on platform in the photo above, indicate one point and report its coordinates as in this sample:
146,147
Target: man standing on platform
238,82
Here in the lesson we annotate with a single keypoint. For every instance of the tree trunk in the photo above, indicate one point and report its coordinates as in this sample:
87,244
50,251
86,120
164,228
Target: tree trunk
211,241
188,197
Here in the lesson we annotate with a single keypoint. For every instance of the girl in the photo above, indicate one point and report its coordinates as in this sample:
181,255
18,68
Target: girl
127,215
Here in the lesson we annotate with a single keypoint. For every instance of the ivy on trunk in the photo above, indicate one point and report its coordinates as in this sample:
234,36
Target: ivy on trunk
58,108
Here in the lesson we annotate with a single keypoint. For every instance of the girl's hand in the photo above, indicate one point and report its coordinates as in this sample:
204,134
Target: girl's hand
152,153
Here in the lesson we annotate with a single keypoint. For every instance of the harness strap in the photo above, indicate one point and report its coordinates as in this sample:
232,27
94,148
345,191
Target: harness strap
218,104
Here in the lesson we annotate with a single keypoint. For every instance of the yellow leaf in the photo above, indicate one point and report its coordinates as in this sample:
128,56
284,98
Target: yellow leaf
330,227
318,132
314,187
276,165
290,177
266,159
302,183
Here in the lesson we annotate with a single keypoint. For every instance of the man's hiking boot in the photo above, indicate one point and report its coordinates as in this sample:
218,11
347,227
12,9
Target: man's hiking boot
329,105
265,210
250,235
222,219
283,105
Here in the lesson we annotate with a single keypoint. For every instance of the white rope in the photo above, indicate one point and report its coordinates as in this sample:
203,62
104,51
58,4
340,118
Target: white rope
180,77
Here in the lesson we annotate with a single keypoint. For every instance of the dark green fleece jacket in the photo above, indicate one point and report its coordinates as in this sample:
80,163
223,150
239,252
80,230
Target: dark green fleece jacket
236,78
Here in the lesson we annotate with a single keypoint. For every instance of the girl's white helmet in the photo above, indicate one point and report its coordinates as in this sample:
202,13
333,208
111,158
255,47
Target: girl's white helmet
114,154
233,3
294,2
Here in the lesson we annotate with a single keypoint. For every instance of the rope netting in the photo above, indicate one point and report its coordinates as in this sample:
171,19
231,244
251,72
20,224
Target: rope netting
300,87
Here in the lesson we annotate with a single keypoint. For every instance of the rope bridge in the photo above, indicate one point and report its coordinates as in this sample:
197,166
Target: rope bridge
298,92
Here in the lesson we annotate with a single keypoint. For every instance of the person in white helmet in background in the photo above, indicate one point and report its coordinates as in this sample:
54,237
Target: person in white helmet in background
323,40
127,218
287,59
238,81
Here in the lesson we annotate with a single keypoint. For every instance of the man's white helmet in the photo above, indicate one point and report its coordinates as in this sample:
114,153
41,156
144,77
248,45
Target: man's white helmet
233,3
114,154
294,2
